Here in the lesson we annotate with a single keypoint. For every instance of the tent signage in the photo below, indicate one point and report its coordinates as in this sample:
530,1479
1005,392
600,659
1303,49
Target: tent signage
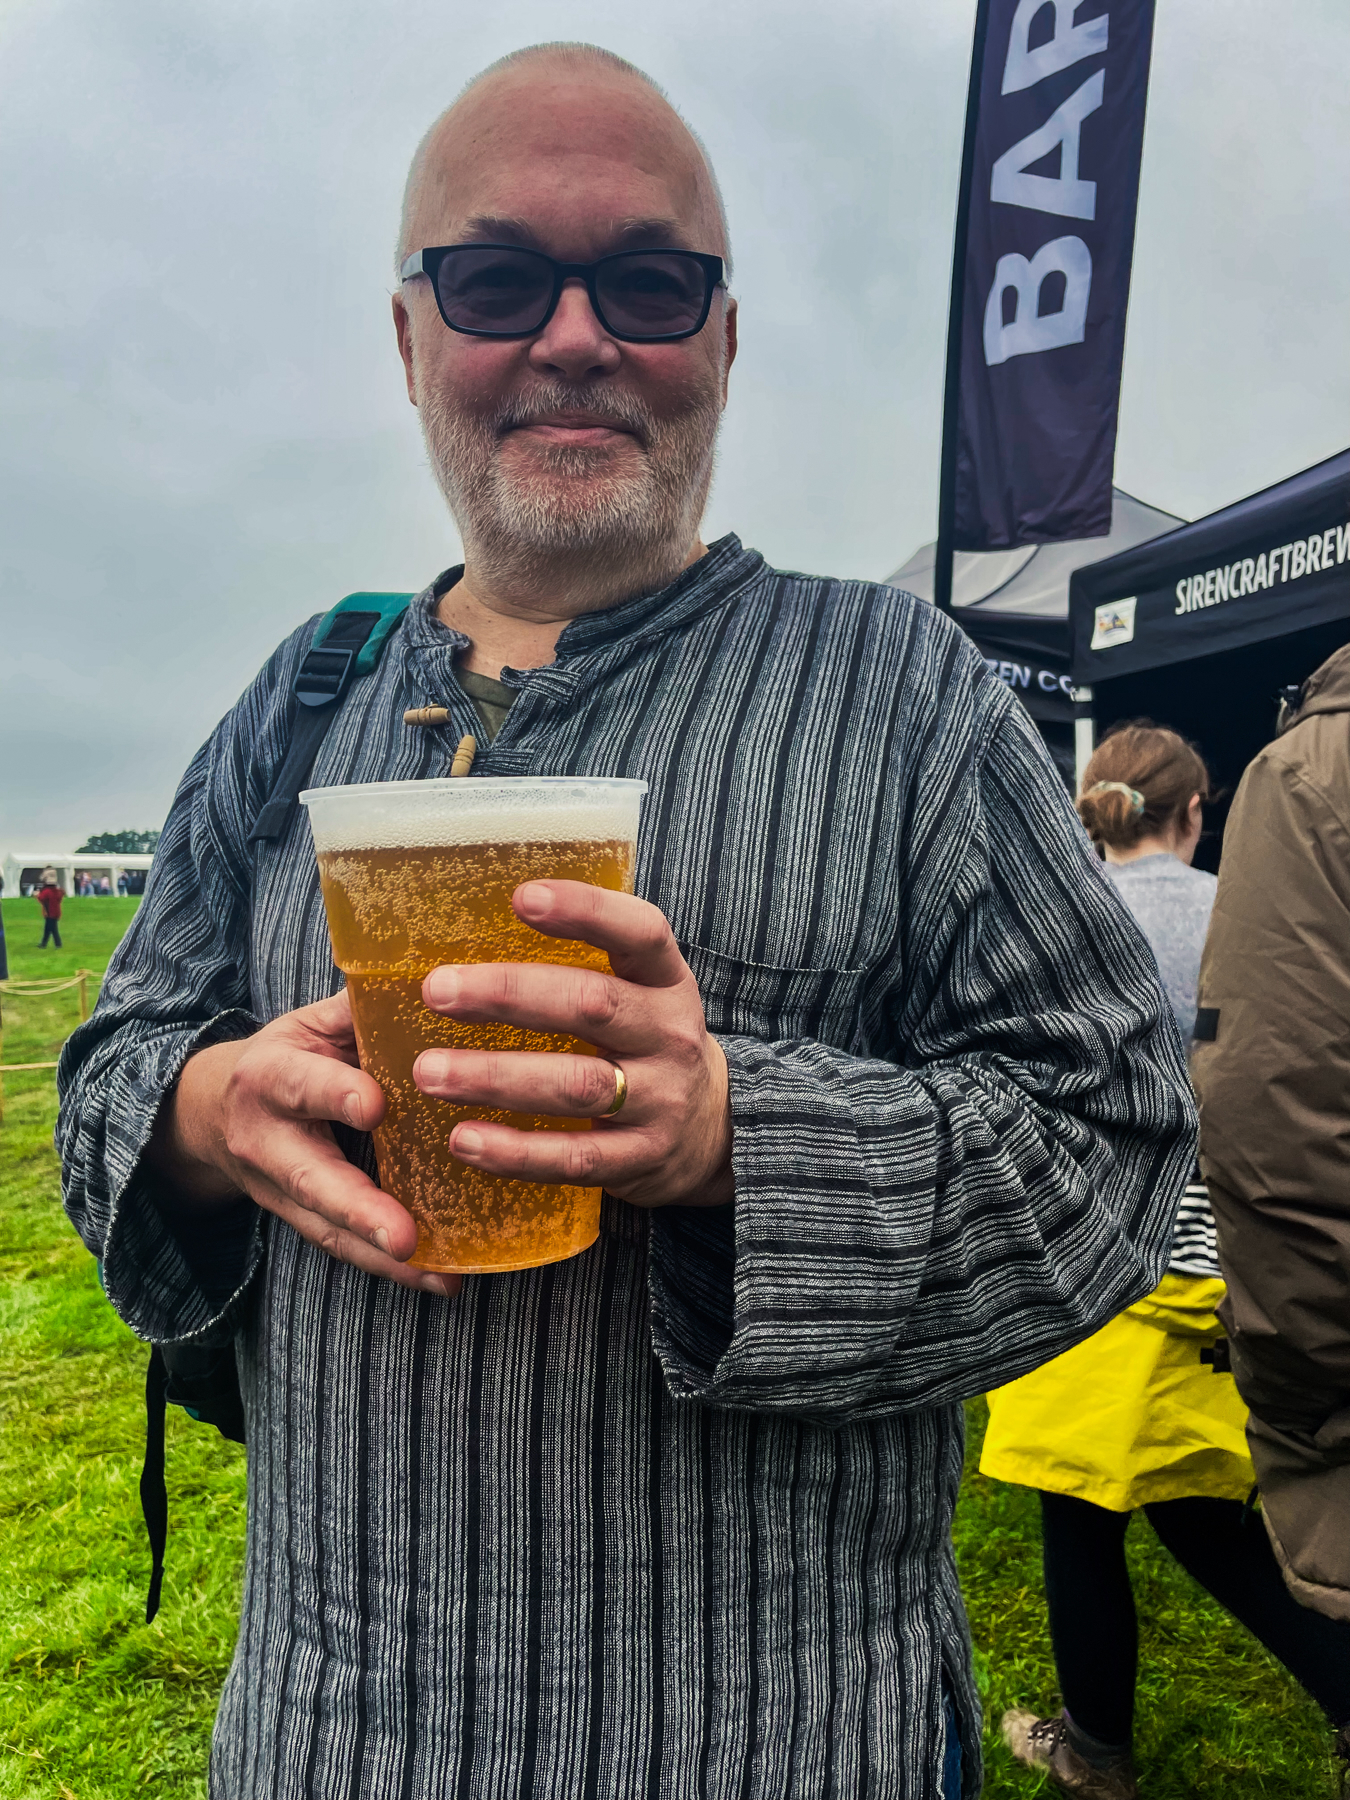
1114,623
1028,655
1267,569
1026,678
1043,266
1275,563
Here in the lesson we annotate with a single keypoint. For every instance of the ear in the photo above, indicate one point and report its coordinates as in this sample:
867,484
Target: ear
729,339
403,331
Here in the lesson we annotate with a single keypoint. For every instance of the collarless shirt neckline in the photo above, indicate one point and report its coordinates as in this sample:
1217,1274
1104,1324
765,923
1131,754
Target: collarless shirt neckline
704,584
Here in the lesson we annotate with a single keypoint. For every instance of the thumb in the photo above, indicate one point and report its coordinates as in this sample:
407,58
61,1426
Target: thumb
327,1024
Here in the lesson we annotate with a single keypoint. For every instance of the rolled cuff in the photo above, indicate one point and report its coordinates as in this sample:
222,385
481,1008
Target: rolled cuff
163,1292
711,1270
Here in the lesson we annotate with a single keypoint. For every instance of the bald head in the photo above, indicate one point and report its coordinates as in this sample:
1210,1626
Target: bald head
584,113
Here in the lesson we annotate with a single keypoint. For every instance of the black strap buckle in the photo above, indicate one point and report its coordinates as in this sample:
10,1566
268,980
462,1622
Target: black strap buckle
323,676
321,681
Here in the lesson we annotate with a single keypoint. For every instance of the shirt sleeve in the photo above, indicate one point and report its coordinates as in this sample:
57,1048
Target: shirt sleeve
178,982
915,1228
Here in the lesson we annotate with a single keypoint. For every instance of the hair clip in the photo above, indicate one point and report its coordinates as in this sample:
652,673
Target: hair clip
1135,798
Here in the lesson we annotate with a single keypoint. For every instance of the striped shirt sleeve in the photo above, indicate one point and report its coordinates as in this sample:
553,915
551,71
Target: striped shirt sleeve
178,982
913,1231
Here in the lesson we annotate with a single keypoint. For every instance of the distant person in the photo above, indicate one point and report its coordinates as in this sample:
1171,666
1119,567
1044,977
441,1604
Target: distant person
122,884
49,898
1140,1415
104,885
1272,1069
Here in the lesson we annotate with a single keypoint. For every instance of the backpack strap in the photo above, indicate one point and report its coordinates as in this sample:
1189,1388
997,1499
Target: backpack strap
154,1496
348,643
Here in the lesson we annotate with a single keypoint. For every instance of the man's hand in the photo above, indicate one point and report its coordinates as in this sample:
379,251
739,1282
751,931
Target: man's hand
671,1143
253,1118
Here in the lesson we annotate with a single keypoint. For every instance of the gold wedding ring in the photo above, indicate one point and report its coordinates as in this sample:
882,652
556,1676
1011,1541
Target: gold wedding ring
620,1093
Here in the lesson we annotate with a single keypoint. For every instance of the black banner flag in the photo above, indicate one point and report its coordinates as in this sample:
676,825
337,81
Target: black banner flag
1045,235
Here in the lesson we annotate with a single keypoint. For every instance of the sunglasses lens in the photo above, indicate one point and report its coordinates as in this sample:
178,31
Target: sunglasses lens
651,294
495,291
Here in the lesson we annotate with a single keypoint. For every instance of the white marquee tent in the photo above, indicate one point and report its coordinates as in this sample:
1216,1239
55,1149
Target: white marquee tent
1033,581
22,868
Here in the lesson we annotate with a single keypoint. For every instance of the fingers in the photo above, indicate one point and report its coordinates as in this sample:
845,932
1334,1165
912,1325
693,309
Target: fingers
564,1086
636,934
298,1172
619,1016
610,1159
280,1147
347,1246
254,1117
329,1022
296,1083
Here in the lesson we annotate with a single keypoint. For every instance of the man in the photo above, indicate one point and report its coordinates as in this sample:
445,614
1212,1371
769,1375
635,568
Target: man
1272,1067
49,898
905,1113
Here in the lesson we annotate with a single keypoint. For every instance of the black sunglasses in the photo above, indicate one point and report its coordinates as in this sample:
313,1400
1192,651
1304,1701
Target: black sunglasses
506,291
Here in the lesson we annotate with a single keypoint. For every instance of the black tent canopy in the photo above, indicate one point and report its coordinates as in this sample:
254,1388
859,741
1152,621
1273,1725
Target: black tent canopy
1202,627
1014,604
1276,562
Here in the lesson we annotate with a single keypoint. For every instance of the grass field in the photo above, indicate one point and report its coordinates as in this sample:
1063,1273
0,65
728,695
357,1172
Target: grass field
96,1705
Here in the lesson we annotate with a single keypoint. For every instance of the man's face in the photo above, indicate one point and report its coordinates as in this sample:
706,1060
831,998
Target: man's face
570,440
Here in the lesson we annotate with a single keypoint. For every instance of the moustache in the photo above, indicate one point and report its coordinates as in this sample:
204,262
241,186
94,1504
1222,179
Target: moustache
539,404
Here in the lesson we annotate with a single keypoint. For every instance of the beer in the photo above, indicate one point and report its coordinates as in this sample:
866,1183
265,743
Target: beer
442,895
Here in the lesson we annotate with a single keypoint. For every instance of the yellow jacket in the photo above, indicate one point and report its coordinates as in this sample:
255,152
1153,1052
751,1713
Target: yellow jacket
1132,1415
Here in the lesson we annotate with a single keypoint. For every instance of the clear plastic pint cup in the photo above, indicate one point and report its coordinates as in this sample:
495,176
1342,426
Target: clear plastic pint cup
418,873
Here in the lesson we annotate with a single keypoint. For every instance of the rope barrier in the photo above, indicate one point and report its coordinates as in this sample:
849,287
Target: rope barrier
17,1069
41,988
47,984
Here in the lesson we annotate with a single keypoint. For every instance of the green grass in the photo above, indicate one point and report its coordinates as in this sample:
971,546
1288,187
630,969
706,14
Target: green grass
93,1702
35,1027
96,1705
1216,1718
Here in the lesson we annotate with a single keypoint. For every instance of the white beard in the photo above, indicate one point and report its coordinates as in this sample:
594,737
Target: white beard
592,530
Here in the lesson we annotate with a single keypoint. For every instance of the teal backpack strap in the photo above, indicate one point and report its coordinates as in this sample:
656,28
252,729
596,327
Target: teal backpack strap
388,610
347,643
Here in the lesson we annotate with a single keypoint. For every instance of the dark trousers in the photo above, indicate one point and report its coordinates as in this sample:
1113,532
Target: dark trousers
1092,1619
51,933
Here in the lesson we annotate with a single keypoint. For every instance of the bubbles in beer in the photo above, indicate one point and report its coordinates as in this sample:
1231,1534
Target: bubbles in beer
395,914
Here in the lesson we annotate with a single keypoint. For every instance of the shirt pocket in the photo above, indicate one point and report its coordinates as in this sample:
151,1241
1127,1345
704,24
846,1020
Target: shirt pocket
778,1002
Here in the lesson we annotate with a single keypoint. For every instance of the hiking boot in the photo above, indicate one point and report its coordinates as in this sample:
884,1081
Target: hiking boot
1044,1744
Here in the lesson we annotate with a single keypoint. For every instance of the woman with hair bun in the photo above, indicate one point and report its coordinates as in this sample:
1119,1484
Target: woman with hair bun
1143,794
1145,1414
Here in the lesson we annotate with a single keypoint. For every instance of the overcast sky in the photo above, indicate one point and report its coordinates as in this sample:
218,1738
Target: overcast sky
205,437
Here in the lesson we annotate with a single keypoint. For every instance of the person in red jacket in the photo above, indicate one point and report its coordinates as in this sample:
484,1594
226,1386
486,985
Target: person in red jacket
49,898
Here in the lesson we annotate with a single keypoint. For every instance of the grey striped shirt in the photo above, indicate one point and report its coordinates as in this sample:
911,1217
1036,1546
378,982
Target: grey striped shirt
672,1518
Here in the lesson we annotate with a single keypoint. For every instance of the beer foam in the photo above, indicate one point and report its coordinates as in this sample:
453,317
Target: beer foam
424,815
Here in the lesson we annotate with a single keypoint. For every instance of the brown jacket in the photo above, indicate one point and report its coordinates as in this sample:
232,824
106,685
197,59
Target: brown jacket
1274,1086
